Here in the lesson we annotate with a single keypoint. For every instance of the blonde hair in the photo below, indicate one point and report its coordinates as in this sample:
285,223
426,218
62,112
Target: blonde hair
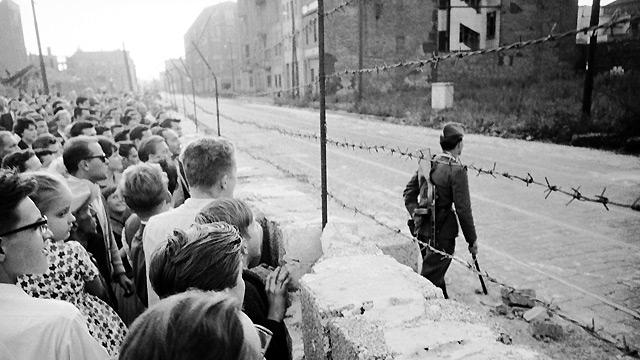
193,325
50,188
205,257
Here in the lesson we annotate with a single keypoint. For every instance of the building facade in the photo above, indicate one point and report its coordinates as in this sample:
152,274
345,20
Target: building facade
277,40
213,35
13,53
108,69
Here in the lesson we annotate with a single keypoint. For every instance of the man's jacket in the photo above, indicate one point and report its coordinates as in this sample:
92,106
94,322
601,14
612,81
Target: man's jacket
449,176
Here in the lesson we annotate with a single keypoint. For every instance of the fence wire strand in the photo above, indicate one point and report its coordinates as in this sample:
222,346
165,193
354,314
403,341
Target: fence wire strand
574,194
591,330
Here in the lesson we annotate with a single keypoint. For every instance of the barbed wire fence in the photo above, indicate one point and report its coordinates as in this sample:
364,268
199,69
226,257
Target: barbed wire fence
574,194
601,335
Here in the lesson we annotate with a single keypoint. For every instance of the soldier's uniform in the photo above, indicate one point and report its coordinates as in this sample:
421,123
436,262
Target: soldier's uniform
449,176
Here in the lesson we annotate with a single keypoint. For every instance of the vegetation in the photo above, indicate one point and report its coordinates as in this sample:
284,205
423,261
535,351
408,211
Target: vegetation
532,109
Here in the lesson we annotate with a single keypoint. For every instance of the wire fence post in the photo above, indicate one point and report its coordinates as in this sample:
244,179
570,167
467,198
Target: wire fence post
193,91
215,80
591,59
323,111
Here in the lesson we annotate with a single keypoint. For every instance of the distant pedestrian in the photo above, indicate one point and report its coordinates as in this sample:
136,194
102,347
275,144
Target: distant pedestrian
449,176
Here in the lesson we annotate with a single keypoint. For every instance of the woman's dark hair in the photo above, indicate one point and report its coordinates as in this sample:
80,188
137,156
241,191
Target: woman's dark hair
121,136
13,189
107,145
205,257
190,326
22,124
78,127
17,159
124,149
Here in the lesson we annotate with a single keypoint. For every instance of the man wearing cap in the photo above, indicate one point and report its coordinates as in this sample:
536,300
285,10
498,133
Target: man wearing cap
449,177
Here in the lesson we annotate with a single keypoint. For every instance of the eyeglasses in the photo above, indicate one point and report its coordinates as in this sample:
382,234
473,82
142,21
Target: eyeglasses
265,338
102,157
40,224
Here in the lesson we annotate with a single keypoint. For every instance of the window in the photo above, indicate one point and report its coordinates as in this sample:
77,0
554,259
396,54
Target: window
469,37
378,9
399,43
315,31
491,25
268,81
246,51
306,34
313,75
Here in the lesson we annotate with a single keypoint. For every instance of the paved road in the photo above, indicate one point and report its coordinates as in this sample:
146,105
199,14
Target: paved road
581,257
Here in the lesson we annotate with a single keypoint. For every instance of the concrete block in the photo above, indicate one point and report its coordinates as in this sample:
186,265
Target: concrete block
357,338
375,287
538,313
404,250
302,248
341,238
344,236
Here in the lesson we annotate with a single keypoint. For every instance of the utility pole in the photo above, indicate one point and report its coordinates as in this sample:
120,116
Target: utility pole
294,55
361,15
126,64
323,112
43,69
591,63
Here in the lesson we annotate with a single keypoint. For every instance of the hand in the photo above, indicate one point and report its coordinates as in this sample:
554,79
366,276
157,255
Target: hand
276,288
126,284
473,248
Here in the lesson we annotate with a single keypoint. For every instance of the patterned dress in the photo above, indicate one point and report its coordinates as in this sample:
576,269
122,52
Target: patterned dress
69,267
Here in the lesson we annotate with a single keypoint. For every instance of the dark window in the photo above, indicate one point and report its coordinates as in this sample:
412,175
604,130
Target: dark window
246,51
378,10
399,43
313,75
469,38
491,25
315,31
268,81
443,4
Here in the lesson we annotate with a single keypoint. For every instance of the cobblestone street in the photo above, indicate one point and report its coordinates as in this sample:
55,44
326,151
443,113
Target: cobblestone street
580,257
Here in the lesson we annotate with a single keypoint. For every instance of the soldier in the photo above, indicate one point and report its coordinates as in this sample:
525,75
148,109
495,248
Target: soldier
448,176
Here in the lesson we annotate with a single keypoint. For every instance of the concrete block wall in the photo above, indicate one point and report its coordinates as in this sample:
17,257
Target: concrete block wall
356,301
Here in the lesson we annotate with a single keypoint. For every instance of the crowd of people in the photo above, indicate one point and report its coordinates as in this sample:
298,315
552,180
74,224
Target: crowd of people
117,243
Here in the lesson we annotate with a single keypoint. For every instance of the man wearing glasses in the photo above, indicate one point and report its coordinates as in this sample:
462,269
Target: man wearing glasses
87,164
33,328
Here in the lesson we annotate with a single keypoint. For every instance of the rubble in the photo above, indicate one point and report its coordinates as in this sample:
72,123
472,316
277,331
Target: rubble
519,297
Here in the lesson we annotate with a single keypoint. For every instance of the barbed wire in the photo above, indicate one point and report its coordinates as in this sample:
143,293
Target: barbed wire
591,330
435,59
423,155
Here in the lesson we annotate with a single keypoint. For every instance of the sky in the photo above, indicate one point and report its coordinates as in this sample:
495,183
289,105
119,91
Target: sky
151,30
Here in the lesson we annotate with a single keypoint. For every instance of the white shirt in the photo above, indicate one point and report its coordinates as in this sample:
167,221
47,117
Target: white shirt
42,329
161,226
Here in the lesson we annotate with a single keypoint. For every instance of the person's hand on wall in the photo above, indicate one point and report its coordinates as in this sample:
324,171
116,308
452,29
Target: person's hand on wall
276,287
